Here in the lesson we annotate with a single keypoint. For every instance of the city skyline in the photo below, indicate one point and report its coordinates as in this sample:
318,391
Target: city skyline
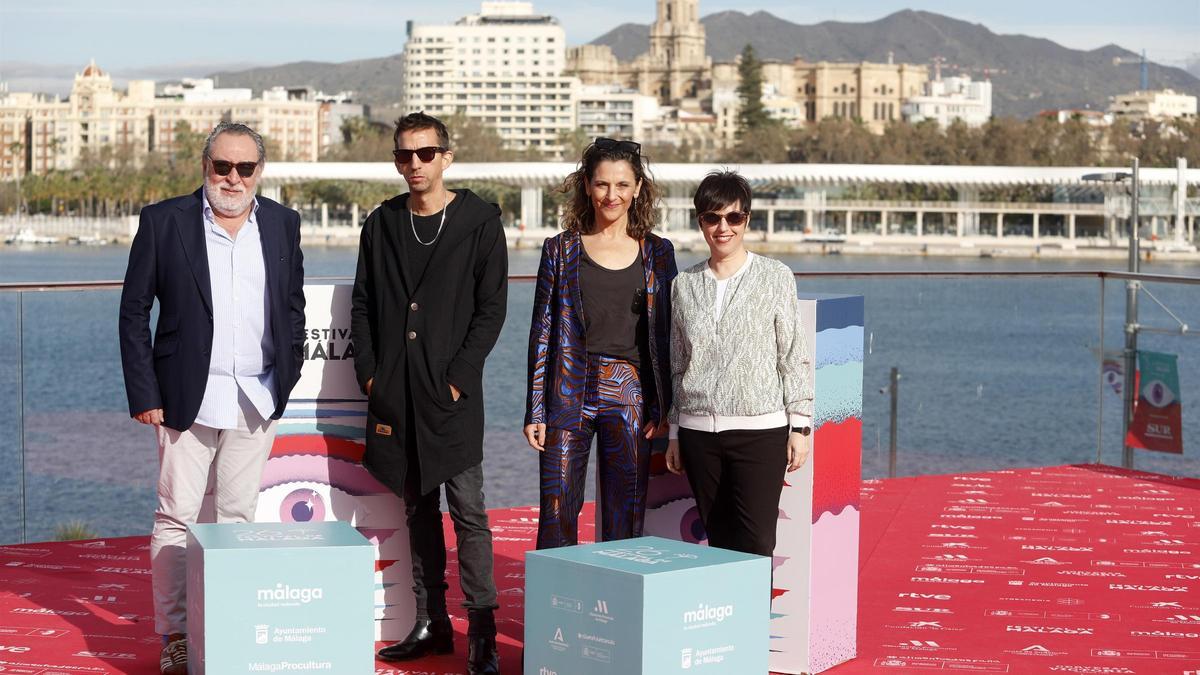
146,40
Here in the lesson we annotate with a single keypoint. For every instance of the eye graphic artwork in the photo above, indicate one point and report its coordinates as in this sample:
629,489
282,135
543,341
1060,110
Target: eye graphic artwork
1112,375
315,472
670,507
1158,394
302,506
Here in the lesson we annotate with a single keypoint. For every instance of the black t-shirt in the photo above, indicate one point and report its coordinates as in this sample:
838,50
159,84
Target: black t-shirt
427,229
614,309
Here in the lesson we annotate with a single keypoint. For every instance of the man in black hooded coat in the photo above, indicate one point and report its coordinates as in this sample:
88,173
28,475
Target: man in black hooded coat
429,301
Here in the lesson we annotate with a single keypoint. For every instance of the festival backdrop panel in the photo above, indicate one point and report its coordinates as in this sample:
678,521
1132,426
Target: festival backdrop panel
315,470
646,605
279,597
815,594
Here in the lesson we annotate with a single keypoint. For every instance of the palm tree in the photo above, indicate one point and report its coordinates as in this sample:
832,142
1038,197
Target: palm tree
17,149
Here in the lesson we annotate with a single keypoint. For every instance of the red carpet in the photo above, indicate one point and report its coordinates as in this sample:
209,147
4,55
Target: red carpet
1057,570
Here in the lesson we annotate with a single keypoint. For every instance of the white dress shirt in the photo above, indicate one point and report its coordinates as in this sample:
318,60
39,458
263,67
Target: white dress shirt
243,349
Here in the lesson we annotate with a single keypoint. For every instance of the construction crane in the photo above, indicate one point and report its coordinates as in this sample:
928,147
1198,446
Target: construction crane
1125,60
939,62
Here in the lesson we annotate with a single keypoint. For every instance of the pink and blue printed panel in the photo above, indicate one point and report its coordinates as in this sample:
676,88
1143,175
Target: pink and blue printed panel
814,611
815,595
315,470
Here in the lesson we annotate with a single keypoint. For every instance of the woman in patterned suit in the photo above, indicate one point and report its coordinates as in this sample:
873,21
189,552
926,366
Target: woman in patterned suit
740,364
599,346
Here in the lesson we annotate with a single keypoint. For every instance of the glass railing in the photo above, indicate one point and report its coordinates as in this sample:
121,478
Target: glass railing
998,370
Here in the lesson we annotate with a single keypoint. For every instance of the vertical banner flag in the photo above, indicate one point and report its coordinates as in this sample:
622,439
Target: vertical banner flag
1158,416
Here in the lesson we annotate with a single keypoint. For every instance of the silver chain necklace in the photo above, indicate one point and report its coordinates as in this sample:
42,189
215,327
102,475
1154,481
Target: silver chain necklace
412,223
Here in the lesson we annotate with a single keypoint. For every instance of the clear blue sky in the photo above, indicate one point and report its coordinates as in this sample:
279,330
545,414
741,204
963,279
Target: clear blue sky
140,34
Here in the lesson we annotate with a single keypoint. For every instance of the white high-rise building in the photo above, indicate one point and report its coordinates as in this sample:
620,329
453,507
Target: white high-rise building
502,66
949,99
614,112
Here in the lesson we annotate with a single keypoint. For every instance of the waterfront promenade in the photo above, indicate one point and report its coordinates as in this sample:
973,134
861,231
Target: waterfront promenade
343,234
980,211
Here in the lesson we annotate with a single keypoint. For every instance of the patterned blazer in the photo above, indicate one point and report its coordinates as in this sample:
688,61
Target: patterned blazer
557,345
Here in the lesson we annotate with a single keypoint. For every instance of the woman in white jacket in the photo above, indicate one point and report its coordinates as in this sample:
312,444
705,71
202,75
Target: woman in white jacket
742,412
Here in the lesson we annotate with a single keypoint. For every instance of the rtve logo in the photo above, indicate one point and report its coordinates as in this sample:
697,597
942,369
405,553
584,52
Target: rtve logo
601,607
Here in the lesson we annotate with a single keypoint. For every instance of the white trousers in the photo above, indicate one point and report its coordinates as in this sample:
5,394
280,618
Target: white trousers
186,459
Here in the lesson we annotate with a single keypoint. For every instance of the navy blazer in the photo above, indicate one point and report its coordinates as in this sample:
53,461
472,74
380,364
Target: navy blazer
168,261
557,345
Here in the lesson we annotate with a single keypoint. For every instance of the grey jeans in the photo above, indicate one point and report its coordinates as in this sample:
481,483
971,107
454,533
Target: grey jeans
464,496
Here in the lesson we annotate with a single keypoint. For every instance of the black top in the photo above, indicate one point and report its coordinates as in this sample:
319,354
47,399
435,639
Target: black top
614,309
427,228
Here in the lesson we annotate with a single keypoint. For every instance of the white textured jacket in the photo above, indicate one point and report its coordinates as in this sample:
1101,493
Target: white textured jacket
750,369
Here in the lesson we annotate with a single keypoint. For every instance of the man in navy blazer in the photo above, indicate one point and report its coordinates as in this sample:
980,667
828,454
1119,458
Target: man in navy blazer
226,269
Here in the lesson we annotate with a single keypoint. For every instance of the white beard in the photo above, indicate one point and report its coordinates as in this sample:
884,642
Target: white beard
227,204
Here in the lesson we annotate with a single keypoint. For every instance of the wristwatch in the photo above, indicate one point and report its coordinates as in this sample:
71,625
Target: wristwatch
803,431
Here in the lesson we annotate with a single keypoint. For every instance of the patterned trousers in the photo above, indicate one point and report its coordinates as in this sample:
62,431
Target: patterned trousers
613,413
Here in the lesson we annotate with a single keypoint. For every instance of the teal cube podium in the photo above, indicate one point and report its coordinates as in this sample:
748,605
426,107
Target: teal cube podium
647,605
280,597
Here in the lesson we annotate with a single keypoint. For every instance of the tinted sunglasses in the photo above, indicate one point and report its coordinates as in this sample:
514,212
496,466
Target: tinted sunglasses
222,167
426,154
619,146
734,218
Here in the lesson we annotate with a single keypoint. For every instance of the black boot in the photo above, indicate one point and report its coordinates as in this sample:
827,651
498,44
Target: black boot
428,636
482,658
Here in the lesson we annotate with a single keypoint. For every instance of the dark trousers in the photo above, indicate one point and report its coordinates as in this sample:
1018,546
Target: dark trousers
612,412
427,541
737,477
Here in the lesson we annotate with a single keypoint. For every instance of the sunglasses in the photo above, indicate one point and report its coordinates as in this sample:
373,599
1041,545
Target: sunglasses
222,167
426,154
619,146
734,218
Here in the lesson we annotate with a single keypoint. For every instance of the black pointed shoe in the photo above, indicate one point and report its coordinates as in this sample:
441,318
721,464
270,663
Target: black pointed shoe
428,636
482,658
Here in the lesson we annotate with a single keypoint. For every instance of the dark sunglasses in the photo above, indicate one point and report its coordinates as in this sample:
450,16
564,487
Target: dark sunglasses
619,146
426,154
639,301
222,167
734,218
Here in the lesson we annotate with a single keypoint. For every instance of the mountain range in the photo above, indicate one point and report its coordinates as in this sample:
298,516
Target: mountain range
1029,74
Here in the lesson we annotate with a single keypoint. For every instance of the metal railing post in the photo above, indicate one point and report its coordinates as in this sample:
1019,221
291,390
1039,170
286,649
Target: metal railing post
1100,391
894,390
1131,318
21,405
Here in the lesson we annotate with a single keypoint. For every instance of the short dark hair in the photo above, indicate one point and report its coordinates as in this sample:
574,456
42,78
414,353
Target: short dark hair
720,189
418,121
